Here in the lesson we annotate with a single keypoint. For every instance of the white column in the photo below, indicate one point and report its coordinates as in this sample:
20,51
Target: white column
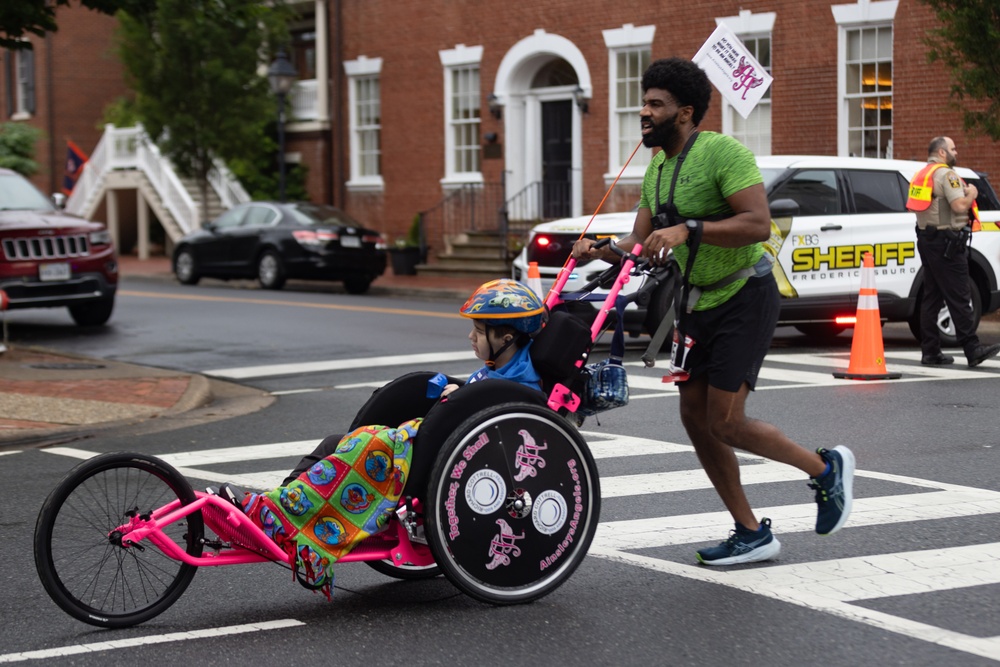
322,63
143,224
113,221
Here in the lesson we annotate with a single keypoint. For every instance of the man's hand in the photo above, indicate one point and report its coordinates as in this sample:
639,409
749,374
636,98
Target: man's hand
584,249
658,245
971,191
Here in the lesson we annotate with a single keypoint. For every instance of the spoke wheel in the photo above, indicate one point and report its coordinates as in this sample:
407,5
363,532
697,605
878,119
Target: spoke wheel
79,554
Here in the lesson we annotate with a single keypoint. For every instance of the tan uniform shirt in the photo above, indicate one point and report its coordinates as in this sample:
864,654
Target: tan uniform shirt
947,188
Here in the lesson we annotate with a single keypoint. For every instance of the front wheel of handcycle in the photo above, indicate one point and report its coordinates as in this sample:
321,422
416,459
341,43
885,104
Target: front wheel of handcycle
513,503
79,554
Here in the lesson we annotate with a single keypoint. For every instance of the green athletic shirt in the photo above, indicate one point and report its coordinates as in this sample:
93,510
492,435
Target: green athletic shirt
716,167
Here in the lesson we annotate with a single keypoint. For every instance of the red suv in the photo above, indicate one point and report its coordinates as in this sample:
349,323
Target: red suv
53,259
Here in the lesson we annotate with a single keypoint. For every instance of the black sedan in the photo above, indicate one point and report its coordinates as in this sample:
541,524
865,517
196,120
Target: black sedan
273,242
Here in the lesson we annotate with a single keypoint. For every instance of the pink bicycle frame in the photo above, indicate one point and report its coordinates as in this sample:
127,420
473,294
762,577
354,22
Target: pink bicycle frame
561,396
250,543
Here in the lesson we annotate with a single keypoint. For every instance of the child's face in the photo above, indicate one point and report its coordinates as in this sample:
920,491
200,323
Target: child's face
481,340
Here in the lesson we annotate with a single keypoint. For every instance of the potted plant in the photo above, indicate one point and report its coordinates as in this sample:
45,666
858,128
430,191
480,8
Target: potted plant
406,253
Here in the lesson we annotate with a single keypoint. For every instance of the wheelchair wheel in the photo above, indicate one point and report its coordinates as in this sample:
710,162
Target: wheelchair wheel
84,570
514,500
411,572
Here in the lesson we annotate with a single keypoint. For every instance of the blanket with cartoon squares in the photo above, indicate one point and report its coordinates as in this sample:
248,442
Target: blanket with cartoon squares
339,501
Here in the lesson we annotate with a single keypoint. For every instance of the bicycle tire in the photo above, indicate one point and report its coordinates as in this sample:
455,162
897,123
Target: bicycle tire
83,571
407,572
489,547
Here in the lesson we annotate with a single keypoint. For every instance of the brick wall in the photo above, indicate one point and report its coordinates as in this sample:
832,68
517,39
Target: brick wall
76,75
408,37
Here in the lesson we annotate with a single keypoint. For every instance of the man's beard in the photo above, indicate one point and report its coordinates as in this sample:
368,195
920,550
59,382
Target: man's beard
951,160
663,135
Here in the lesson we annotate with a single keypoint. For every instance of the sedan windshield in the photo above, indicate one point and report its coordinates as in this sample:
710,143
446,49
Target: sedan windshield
18,194
321,215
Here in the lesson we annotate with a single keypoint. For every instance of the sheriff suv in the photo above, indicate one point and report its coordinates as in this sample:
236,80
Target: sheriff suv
53,259
826,213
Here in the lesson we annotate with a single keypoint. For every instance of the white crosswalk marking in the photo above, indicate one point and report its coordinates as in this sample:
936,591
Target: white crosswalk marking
828,586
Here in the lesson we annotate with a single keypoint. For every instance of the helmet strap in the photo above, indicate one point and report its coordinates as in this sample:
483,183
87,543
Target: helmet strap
492,361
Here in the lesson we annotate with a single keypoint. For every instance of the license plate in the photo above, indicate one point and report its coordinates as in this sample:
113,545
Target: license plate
350,241
47,272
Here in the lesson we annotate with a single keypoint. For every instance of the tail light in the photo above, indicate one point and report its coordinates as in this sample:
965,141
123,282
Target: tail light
377,239
308,237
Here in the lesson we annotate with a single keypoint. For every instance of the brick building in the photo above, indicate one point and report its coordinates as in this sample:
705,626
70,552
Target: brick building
401,106
62,86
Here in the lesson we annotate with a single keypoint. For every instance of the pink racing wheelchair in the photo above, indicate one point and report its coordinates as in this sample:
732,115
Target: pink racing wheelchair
503,497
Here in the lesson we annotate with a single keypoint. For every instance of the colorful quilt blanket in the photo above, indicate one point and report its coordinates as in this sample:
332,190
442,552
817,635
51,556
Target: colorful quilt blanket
339,501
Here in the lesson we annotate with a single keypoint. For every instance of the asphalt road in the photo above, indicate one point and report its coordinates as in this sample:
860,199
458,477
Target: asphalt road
913,578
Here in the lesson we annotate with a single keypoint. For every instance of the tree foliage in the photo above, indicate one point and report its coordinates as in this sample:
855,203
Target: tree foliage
967,43
196,67
17,147
19,18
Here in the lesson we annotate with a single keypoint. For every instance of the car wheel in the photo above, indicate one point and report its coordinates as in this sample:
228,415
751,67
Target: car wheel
821,330
271,271
92,314
357,284
945,325
185,267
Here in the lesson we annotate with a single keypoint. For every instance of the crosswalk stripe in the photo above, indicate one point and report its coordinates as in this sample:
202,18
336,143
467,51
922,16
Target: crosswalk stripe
869,577
243,453
986,647
693,480
711,526
247,372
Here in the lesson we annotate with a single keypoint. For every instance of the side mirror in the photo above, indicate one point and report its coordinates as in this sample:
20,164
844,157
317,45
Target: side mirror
59,199
784,208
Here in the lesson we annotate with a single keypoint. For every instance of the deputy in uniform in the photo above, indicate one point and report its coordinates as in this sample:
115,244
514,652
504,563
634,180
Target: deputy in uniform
942,202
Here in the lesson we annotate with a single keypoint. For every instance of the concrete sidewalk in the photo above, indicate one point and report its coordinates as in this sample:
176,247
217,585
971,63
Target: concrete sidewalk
46,395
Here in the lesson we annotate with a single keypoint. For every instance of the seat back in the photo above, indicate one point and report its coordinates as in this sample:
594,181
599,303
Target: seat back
559,347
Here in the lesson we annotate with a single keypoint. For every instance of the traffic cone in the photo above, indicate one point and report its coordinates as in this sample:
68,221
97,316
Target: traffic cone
867,353
535,280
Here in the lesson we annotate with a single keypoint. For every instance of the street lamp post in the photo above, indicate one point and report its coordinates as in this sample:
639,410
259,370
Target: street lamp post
281,76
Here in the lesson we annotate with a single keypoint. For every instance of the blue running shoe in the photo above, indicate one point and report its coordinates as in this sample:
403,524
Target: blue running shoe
743,546
834,490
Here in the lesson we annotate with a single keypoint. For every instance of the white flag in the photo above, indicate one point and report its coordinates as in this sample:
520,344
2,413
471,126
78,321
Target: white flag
733,70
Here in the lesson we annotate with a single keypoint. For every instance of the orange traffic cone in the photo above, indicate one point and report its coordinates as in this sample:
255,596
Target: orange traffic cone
867,353
534,282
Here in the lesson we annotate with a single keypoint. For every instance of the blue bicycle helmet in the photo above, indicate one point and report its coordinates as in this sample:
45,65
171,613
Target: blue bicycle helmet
506,302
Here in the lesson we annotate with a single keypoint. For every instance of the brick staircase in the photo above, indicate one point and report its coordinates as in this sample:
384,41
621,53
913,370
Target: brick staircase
487,254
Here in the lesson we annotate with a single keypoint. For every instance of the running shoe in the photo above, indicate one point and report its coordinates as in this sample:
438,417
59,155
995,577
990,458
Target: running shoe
743,546
834,490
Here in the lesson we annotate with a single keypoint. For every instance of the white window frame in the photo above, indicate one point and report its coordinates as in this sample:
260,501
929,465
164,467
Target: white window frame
358,70
626,38
862,14
22,84
462,57
750,25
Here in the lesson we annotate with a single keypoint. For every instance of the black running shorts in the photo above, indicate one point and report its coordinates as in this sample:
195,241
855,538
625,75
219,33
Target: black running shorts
732,339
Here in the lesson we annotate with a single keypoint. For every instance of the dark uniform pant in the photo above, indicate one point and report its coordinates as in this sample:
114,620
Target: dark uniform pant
946,282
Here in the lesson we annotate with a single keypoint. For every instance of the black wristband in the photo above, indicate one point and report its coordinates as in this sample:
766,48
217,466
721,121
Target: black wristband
694,229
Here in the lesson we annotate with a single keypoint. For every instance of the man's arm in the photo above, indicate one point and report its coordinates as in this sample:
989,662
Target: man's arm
641,229
750,223
960,195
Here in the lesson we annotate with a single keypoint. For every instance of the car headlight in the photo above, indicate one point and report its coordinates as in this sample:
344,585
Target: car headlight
100,238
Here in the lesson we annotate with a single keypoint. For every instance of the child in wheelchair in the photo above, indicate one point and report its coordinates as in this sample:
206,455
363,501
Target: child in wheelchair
346,489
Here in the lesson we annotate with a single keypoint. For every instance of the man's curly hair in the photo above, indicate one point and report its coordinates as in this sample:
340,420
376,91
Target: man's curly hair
687,82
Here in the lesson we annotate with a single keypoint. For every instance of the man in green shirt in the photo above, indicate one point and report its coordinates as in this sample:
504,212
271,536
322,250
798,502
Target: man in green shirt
703,194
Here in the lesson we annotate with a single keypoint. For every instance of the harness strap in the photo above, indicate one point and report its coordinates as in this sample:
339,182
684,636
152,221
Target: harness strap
761,268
